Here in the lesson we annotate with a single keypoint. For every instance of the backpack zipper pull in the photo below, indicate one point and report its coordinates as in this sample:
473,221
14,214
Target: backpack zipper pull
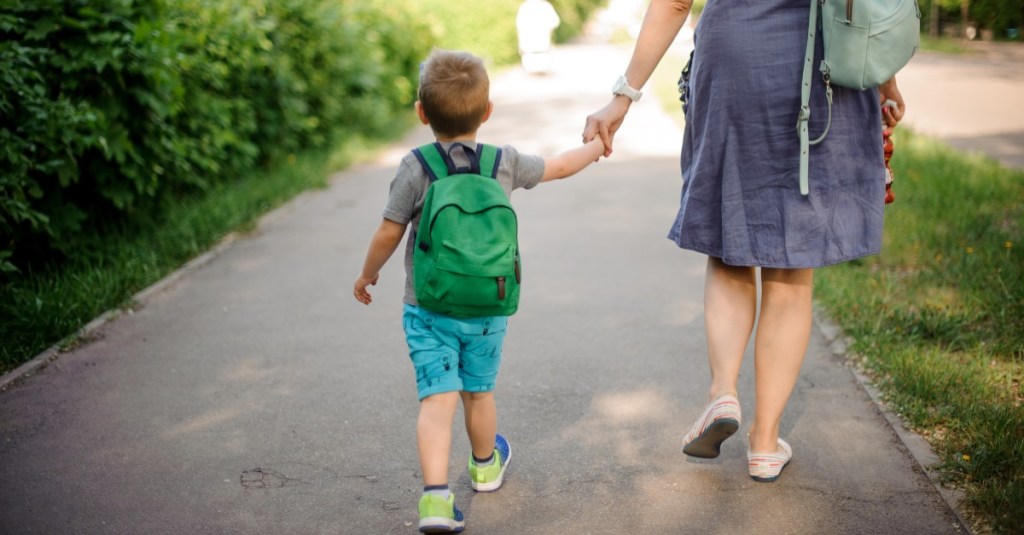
501,288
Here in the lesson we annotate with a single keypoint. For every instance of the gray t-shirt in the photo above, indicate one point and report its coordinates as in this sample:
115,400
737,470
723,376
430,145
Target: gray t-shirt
409,190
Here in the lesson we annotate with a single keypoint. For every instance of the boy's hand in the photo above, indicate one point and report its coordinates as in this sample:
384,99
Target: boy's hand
360,292
606,149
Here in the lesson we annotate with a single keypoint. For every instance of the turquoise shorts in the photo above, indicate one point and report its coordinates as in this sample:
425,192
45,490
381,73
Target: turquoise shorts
453,354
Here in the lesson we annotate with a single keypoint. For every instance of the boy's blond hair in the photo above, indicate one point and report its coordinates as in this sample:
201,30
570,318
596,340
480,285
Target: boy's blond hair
454,92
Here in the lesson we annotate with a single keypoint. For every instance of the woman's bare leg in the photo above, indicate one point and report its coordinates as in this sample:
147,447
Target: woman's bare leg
730,304
783,332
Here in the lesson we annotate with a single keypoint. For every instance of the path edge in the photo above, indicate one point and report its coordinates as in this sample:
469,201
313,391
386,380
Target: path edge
82,336
837,343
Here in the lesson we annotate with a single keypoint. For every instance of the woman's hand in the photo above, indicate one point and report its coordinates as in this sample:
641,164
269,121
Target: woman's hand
605,122
889,92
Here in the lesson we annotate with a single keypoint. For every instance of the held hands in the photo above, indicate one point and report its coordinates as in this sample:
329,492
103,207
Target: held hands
359,291
605,122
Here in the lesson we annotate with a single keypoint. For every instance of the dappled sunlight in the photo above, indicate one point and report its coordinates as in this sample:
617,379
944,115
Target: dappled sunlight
251,370
251,263
628,408
621,423
206,420
250,380
737,506
262,373
635,478
684,312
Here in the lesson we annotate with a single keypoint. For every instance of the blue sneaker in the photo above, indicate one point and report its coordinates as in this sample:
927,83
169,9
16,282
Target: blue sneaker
438,515
488,478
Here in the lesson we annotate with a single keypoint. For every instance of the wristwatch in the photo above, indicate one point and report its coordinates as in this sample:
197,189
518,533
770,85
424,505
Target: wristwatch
622,88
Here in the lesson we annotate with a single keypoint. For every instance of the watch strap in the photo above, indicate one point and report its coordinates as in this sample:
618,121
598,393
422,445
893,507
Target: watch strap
623,88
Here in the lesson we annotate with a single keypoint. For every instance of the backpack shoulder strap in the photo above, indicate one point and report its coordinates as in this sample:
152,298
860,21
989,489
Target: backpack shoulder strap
438,163
490,159
434,160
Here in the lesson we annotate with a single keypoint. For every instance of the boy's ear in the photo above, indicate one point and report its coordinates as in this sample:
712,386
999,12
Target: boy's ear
420,114
487,114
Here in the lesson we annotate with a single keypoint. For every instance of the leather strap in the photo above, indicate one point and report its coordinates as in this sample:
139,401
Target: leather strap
804,117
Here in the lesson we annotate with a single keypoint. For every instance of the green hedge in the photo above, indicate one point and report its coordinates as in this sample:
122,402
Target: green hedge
109,106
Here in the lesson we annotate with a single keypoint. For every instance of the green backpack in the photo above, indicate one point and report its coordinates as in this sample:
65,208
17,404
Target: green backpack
466,261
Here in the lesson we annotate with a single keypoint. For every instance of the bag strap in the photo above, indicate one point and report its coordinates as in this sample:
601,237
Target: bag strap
490,159
438,163
803,119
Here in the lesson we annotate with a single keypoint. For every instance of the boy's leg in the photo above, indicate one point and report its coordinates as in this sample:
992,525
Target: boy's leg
434,436
491,451
481,422
479,362
435,355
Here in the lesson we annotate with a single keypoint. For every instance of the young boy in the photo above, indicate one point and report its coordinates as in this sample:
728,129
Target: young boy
454,357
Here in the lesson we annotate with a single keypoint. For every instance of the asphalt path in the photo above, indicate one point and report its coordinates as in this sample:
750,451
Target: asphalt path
973,101
252,394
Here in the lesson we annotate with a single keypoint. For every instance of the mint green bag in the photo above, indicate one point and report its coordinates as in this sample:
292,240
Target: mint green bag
866,43
466,262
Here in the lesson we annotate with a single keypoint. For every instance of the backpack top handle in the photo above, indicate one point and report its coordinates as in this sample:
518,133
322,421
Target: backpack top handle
438,163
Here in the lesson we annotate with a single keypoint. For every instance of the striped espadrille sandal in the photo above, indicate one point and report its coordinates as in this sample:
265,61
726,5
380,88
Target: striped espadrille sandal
766,467
720,420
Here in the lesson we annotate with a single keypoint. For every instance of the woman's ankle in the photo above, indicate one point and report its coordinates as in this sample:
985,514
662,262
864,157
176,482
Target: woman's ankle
716,393
763,442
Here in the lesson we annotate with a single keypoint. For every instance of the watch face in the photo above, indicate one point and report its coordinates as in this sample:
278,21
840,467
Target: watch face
622,88
620,84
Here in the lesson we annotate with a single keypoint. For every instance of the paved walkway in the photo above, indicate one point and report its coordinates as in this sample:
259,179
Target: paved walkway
973,101
254,395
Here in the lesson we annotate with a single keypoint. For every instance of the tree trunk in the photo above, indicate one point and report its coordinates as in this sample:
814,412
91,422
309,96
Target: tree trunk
965,17
933,19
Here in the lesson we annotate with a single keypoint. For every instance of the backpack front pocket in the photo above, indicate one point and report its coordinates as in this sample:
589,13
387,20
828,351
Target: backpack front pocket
474,274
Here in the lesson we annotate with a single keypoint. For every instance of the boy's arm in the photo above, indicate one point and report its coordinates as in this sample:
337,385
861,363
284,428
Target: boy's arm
383,244
572,161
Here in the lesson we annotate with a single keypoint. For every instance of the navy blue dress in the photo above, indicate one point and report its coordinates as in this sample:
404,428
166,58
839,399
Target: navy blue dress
741,199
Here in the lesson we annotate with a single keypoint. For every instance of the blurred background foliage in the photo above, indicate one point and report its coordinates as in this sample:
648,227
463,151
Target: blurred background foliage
998,19
110,107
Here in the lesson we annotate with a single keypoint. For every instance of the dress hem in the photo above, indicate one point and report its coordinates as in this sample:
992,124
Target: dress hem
729,262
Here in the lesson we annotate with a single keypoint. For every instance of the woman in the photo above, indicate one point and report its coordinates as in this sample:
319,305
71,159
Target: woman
741,203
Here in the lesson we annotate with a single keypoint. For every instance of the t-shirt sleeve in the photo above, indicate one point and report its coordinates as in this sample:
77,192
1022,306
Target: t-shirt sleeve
526,169
406,189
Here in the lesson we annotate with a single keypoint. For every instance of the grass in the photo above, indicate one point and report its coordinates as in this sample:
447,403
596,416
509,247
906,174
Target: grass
43,308
665,81
938,318
944,45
